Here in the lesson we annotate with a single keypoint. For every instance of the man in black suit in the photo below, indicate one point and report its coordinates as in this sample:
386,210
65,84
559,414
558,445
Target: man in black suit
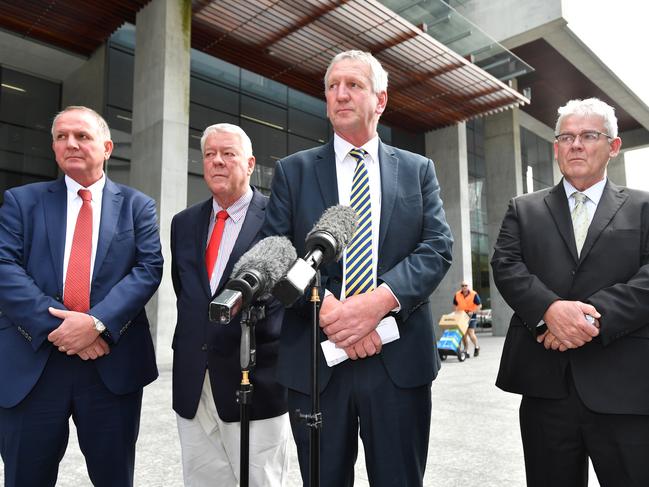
405,245
572,262
207,239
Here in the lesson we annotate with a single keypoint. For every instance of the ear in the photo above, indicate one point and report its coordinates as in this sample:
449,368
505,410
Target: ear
614,147
556,151
251,164
108,149
382,103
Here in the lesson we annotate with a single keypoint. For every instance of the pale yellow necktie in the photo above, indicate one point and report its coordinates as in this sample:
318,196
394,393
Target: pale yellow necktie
580,221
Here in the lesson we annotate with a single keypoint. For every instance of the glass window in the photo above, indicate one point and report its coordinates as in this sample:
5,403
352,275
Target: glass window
308,125
213,96
28,101
215,69
121,66
263,87
268,143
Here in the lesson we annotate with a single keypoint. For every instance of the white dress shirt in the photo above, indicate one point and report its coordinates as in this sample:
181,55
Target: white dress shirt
236,216
593,195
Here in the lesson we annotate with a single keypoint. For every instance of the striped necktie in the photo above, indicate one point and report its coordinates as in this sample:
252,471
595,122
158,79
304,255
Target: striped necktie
359,277
580,221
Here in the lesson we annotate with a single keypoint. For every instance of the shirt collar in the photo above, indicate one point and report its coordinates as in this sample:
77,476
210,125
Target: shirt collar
95,188
342,148
594,193
236,210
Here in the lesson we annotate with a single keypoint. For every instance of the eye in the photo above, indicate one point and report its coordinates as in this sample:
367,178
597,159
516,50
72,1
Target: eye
590,136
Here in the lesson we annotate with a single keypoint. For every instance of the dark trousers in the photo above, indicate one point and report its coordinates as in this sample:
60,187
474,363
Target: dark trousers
560,434
394,426
34,434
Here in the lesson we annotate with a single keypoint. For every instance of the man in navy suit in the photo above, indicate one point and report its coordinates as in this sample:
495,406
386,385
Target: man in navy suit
207,239
400,254
573,263
74,336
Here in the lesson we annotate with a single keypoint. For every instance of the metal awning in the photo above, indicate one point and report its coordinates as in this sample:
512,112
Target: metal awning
292,42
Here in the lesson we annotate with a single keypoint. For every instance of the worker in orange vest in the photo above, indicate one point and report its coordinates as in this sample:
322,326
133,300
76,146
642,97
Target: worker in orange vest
467,300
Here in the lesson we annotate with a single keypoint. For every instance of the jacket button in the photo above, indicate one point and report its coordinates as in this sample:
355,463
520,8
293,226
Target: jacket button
204,347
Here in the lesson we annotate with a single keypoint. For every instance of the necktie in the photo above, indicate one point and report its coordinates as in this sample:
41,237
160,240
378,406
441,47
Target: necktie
358,273
77,278
212,251
580,221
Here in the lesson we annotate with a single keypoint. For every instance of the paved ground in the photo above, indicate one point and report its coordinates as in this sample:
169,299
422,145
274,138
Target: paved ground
474,434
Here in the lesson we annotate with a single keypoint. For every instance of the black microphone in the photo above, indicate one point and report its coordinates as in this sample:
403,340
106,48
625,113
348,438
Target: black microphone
325,243
255,274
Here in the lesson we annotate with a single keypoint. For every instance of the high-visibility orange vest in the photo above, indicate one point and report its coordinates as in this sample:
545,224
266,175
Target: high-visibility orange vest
466,303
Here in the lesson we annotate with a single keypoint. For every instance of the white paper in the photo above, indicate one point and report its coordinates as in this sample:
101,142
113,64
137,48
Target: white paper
387,330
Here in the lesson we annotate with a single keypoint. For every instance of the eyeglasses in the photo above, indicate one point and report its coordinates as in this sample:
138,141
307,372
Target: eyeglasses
588,137
465,285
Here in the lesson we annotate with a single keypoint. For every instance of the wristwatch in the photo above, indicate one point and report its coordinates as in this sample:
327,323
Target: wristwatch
99,326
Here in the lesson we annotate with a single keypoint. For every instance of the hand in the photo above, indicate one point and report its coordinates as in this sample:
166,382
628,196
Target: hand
347,322
75,333
565,320
550,342
96,349
365,347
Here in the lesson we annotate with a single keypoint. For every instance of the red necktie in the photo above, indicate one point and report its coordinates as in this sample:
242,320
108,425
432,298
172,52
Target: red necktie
77,278
215,241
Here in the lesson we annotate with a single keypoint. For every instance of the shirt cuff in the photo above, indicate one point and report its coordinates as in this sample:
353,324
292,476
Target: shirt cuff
398,307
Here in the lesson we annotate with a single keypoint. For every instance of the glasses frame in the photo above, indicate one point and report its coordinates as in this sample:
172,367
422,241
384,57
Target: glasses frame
579,136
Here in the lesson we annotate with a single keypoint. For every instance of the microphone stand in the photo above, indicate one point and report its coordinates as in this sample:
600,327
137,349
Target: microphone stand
248,358
314,420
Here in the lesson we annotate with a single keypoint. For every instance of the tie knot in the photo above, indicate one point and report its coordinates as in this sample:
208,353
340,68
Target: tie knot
358,154
222,215
579,197
85,194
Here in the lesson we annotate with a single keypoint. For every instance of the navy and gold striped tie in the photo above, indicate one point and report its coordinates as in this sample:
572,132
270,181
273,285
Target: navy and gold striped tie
359,277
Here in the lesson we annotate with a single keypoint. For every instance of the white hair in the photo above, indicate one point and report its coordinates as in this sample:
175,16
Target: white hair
228,128
588,108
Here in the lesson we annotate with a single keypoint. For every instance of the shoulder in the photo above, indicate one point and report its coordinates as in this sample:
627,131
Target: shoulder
536,197
36,188
192,212
405,155
307,157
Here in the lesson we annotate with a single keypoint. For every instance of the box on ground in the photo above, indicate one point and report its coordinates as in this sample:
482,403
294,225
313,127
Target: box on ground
457,319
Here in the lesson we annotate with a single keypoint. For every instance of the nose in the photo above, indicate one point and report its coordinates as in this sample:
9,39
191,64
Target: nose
342,93
72,141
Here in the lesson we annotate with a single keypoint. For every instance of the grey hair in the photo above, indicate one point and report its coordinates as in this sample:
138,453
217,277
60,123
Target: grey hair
588,108
228,128
104,130
378,75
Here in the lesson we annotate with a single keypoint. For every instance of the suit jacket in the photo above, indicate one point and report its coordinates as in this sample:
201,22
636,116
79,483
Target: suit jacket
127,271
414,254
198,343
535,263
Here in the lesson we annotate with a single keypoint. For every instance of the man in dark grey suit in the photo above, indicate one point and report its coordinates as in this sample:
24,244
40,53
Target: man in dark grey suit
396,259
572,262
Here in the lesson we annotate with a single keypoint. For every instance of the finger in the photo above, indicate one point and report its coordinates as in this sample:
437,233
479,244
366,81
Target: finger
555,344
376,339
351,353
83,356
562,348
369,348
59,313
360,350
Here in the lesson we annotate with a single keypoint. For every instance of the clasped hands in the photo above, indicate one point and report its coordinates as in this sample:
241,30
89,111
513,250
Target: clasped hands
567,325
76,335
351,324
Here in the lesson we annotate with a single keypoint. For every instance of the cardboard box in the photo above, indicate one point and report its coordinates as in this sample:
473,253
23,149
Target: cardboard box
457,319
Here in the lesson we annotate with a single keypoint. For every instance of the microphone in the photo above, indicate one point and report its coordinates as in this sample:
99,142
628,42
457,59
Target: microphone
325,243
255,274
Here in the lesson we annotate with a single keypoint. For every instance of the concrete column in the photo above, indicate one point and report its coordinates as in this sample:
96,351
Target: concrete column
504,181
616,170
448,150
160,135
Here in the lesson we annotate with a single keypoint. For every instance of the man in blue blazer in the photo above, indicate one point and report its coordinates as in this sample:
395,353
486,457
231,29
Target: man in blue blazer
74,336
207,239
404,244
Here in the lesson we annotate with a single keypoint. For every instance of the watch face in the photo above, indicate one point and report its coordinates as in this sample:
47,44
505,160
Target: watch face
99,326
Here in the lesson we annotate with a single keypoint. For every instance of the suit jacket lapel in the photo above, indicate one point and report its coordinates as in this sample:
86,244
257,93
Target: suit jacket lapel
201,228
251,224
389,164
55,204
111,205
612,200
325,170
557,203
